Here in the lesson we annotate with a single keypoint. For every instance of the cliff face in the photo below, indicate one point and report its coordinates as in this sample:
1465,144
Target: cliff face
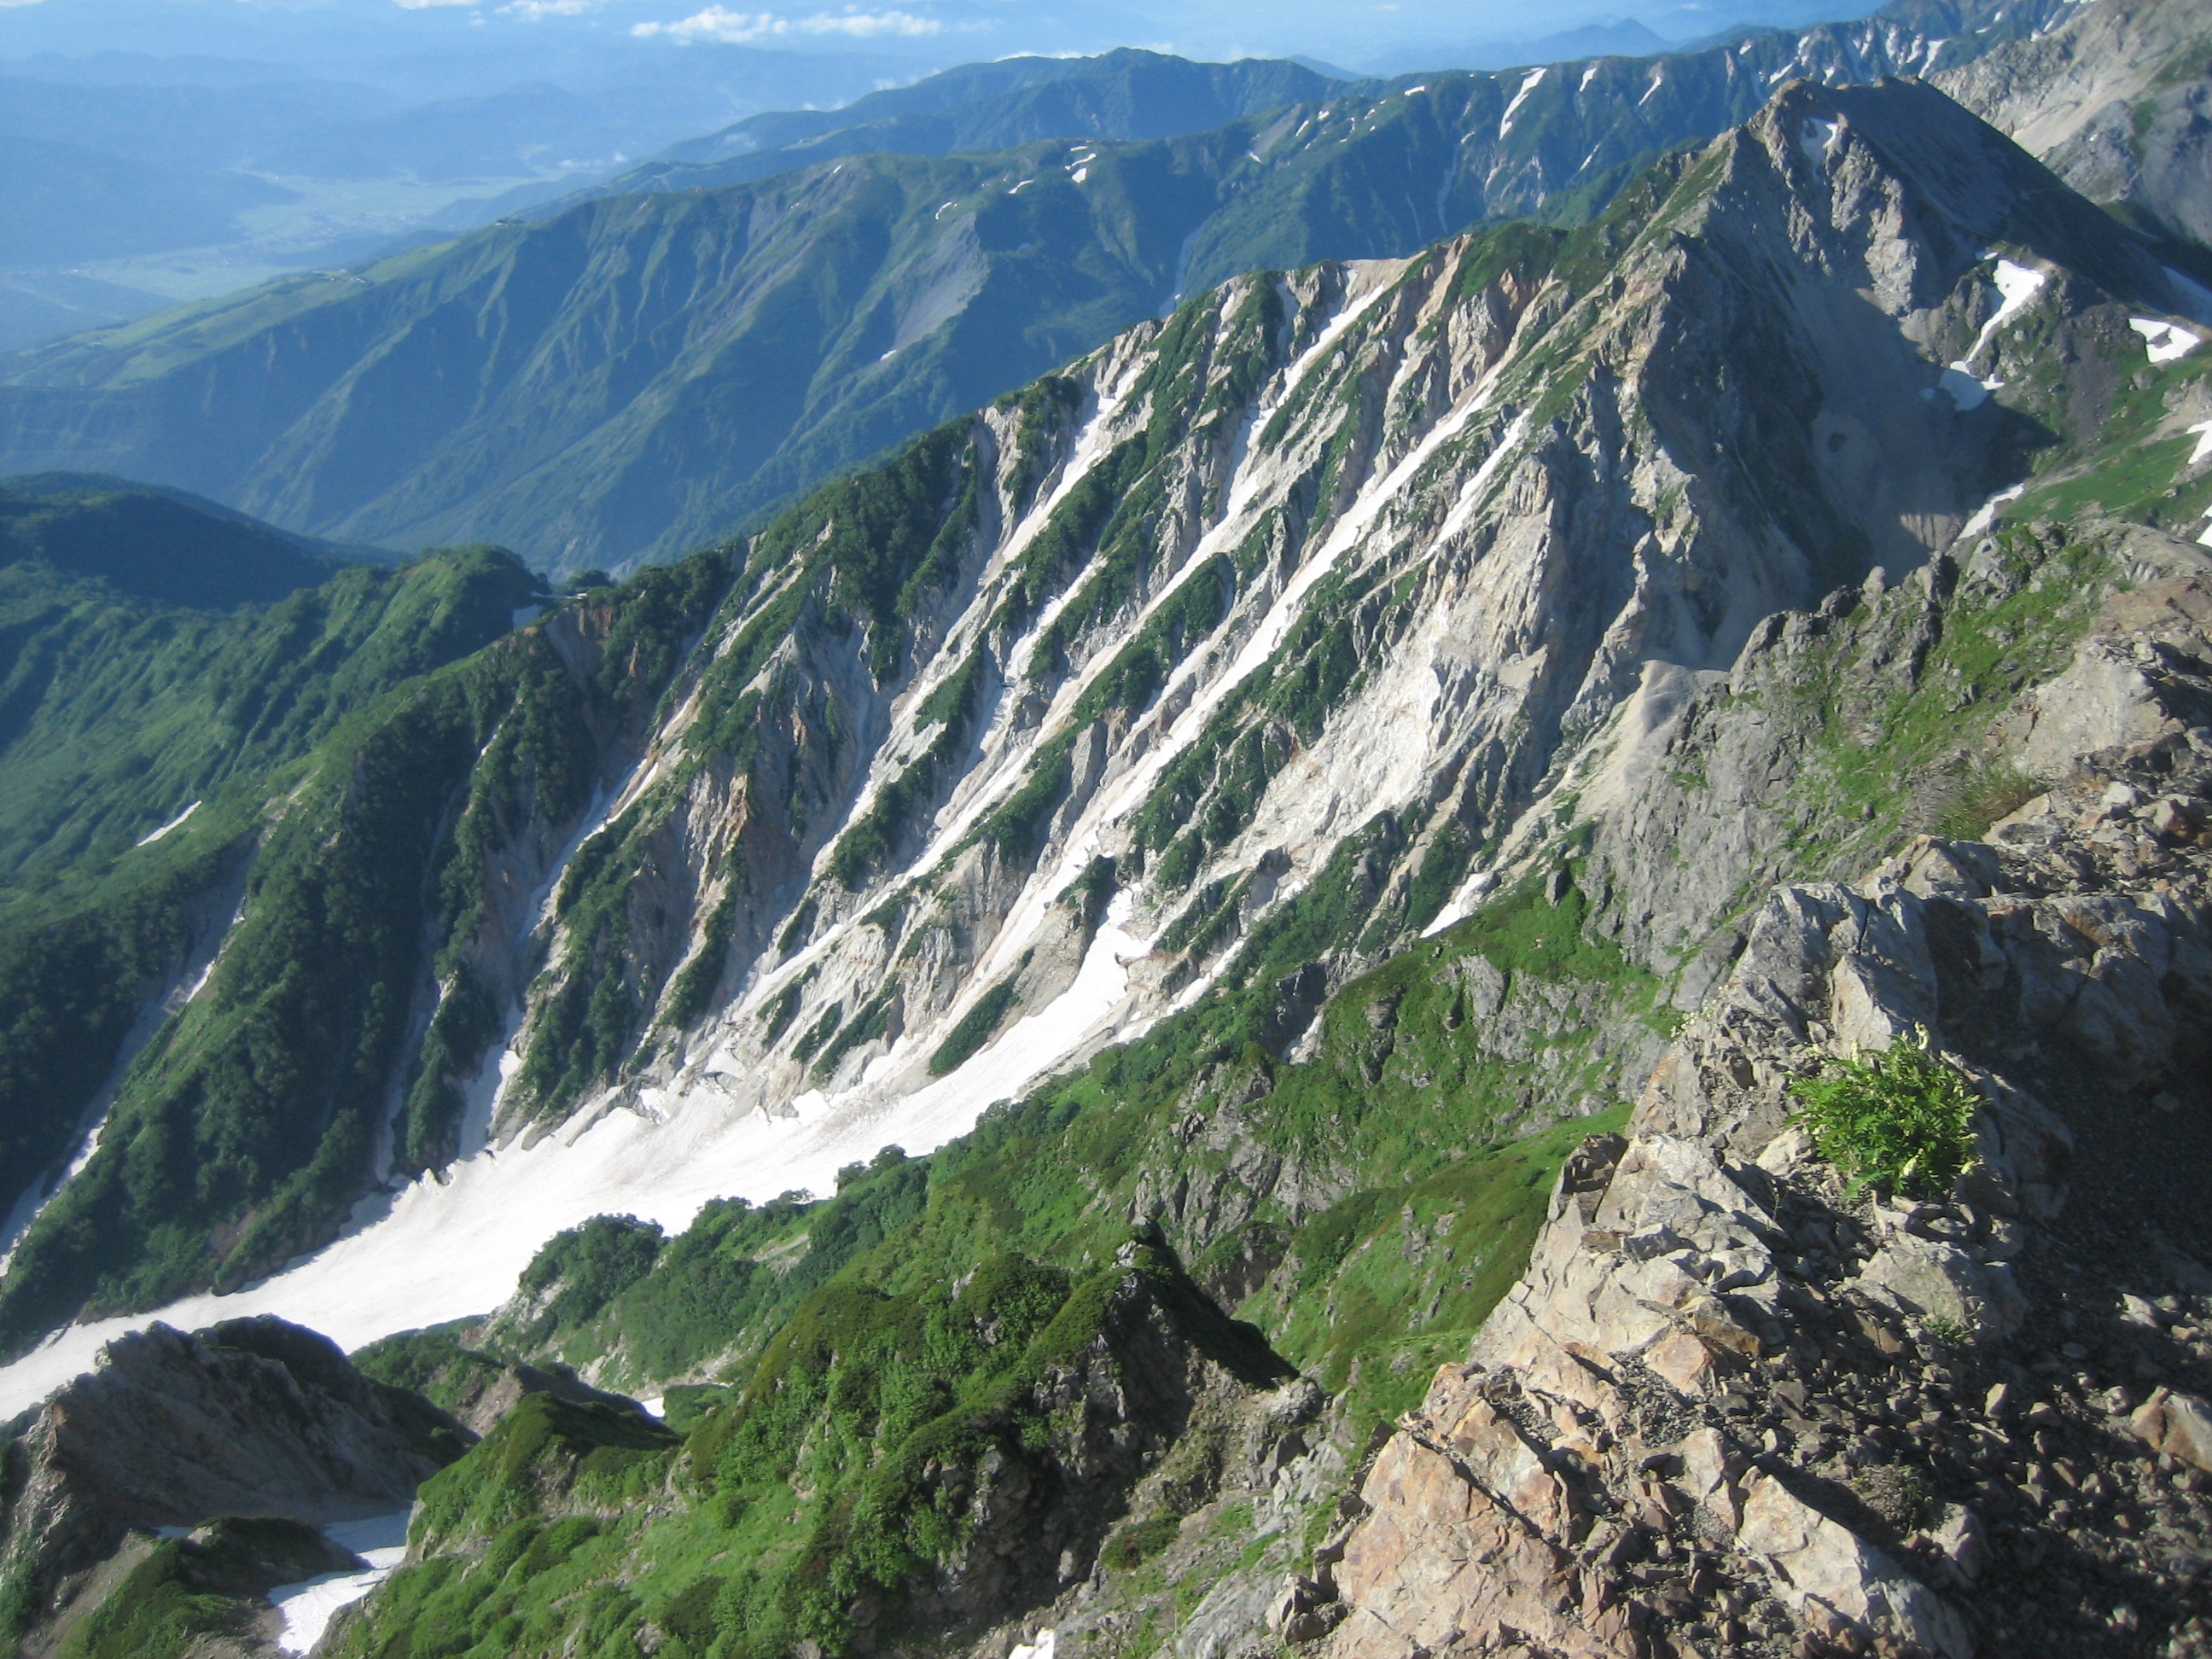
1734,1402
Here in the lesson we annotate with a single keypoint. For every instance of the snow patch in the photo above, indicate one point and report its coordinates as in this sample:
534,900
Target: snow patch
308,1606
174,823
1534,79
1985,515
2165,341
1040,1649
450,1246
2202,433
656,1407
1818,138
1460,905
2017,286
1590,75
1470,493
1968,390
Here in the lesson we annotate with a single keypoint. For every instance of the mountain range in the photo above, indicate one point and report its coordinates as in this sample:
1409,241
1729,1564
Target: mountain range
1493,948
639,374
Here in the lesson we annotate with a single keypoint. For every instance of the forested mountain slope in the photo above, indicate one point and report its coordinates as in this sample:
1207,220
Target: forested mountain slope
1126,93
642,372
1237,812
1194,678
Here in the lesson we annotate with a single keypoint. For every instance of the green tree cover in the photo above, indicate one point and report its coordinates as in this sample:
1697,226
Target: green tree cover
839,1476
244,1130
163,545
193,1590
117,710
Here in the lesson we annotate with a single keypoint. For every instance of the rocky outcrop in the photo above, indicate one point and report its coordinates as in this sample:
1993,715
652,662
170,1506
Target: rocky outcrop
1734,1405
253,1419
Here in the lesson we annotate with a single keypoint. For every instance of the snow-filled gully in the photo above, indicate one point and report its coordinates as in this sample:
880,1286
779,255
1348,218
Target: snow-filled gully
452,1245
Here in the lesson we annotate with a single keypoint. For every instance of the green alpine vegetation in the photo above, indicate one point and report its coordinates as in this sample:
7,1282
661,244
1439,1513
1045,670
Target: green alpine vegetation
354,757
1899,1119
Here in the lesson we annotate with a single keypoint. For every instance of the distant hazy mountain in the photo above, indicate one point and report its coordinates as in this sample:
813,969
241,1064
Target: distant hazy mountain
63,204
117,155
1626,38
1128,94
642,373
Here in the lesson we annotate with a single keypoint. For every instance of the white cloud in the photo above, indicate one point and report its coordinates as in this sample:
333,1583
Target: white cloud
737,27
534,9
419,5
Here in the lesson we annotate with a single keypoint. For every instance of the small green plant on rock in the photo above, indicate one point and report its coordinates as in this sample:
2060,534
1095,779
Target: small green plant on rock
1899,1118
1945,1332
1137,1543
1981,794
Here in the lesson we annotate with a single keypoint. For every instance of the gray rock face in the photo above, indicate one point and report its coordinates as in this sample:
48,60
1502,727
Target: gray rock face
1732,1398
1513,590
2119,100
255,1418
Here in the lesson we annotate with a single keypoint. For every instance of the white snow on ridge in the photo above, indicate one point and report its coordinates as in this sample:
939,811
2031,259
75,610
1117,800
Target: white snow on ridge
174,823
446,1248
1985,515
2165,341
1968,390
2017,286
1534,79
2202,433
308,1606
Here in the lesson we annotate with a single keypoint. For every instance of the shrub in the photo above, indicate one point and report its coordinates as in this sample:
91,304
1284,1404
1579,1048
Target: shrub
1980,796
1136,1544
1900,1118
1898,1494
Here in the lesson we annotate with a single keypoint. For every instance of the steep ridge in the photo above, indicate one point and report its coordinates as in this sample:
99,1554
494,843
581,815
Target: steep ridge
163,545
642,373
261,1428
1172,693
2116,102
207,1025
1737,1399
